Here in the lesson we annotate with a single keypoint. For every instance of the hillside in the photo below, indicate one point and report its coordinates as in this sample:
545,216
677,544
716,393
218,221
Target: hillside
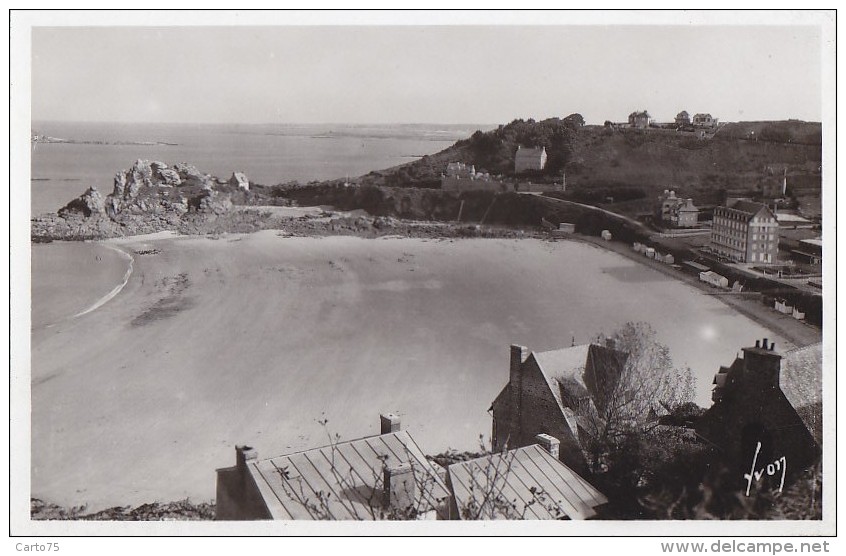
597,157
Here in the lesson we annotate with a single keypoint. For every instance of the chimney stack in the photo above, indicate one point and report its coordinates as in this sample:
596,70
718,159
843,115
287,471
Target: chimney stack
390,423
399,489
762,364
243,455
519,354
549,443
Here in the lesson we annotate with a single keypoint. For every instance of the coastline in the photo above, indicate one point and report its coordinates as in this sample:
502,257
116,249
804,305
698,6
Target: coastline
220,340
796,332
117,289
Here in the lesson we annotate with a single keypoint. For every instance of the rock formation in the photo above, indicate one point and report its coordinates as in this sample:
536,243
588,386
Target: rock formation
90,203
149,196
238,179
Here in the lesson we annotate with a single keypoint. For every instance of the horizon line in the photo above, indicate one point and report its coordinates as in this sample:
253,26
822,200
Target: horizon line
409,123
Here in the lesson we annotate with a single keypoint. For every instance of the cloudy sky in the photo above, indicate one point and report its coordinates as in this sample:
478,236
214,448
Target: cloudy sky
426,74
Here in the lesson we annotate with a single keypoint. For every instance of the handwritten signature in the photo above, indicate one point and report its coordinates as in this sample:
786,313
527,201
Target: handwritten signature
770,469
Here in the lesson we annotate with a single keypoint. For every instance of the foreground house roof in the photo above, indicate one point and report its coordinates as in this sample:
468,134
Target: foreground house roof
376,477
343,480
526,483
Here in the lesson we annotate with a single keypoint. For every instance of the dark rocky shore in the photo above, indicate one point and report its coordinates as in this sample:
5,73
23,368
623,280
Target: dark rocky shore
152,197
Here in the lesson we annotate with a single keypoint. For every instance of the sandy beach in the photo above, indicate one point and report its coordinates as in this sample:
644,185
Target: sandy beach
253,338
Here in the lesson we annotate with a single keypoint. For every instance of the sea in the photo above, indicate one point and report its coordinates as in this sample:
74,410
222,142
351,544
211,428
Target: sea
68,278
267,153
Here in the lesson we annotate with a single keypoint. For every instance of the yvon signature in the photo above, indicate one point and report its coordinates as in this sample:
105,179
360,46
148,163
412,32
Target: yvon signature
771,469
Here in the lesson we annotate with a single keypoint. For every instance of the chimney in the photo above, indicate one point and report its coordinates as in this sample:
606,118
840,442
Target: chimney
390,423
610,343
399,490
549,443
762,366
243,455
519,354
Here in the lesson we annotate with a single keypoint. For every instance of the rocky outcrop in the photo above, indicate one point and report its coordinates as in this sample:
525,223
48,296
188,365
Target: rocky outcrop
238,179
191,176
150,196
90,203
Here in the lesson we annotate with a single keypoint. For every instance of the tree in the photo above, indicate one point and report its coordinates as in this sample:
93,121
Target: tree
633,401
574,121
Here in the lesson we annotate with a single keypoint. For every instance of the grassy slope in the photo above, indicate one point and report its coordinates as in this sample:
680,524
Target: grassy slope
653,160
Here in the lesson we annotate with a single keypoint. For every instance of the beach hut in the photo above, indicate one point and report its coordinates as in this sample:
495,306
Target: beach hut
797,314
782,307
714,279
669,259
606,235
649,252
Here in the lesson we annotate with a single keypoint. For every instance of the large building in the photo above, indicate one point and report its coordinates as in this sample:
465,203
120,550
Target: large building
676,211
682,119
529,159
553,393
745,232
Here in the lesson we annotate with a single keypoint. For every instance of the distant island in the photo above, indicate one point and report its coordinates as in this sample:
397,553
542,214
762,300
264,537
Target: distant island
39,138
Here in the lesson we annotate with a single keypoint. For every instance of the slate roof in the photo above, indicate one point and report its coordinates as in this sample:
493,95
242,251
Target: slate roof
801,382
526,482
342,481
530,151
751,208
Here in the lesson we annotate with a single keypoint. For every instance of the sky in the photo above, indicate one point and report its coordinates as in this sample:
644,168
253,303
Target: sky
427,74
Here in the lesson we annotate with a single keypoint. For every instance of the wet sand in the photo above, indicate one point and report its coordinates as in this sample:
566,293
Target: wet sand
253,338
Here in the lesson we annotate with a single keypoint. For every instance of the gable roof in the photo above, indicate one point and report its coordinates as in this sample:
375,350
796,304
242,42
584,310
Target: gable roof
530,151
578,369
525,482
750,208
344,480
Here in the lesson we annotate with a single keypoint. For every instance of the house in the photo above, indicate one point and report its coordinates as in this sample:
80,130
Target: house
676,211
460,170
524,483
704,120
553,393
374,477
682,119
753,421
745,231
640,120
529,159
461,177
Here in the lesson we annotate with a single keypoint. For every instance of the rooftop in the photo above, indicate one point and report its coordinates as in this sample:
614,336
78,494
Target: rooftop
343,481
527,482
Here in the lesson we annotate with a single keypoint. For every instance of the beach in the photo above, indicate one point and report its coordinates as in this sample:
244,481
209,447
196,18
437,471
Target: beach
233,339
